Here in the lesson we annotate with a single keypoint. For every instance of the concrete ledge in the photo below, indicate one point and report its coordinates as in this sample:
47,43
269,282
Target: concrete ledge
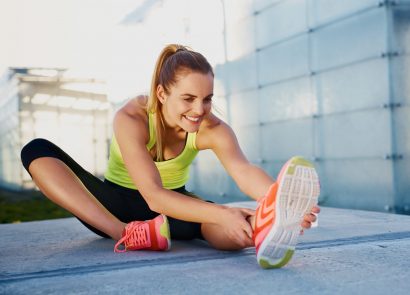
351,252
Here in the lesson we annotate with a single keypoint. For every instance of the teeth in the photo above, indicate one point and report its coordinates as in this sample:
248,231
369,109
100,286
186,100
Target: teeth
192,118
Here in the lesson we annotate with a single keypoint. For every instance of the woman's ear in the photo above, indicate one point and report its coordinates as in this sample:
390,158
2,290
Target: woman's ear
161,94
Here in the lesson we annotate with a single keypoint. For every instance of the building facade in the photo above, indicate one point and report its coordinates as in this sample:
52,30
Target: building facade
71,112
328,80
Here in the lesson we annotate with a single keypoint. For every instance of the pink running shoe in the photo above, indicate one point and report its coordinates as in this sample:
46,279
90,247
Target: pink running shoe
279,214
150,235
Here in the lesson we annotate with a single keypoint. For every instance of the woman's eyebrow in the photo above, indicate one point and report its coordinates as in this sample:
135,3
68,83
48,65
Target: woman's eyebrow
194,96
188,94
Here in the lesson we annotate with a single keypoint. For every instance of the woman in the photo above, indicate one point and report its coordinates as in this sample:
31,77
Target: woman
143,200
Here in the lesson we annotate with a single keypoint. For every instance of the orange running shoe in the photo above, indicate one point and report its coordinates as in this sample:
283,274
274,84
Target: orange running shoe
279,214
150,235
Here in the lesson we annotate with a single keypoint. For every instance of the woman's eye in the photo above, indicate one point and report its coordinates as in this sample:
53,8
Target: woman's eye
189,99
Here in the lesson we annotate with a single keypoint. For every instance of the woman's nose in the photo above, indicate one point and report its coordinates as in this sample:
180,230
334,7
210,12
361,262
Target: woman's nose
199,109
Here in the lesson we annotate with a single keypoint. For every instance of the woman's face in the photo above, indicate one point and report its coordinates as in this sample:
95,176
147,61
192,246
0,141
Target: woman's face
188,102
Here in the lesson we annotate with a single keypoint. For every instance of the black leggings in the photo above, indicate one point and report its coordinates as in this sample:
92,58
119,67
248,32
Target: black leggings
124,203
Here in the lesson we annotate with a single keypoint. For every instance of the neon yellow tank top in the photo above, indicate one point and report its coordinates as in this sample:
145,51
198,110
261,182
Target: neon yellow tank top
174,172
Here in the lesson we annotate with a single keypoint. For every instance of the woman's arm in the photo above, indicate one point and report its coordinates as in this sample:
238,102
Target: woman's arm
251,180
130,127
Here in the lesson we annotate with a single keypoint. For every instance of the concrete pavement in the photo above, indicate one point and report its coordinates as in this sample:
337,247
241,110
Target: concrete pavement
351,252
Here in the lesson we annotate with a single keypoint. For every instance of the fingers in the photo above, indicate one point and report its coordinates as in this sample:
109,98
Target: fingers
247,233
247,241
240,230
307,220
316,209
242,239
248,212
310,217
247,228
306,224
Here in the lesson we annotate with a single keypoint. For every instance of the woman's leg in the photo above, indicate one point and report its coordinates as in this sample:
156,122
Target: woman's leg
67,184
63,187
214,235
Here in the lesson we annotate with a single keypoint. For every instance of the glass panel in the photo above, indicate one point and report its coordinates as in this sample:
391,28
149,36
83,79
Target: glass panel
359,184
221,76
271,25
343,42
282,140
402,172
321,11
199,40
353,87
402,130
401,29
291,99
249,141
240,38
283,61
220,107
212,182
242,74
401,77
358,134
262,4
244,108
237,9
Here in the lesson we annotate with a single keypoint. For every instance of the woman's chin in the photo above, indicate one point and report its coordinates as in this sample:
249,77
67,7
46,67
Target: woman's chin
191,129
190,126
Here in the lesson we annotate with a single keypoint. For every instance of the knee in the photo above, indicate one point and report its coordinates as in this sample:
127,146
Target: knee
33,145
33,148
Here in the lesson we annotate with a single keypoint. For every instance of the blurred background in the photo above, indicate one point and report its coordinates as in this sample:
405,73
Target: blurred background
325,79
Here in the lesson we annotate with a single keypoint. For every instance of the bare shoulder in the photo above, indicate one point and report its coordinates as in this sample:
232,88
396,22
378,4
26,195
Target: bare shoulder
211,131
135,106
135,109
132,117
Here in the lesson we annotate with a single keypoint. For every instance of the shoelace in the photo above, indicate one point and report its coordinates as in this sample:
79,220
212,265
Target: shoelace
136,236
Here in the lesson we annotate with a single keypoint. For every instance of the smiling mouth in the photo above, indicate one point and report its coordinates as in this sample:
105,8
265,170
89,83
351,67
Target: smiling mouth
192,119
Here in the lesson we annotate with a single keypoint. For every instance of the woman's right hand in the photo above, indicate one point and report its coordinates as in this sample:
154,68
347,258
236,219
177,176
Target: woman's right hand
236,226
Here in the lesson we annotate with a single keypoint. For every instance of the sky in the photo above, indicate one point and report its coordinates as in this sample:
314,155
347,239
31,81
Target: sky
75,34
89,37
58,33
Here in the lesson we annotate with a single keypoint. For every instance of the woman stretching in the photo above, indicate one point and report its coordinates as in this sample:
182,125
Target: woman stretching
143,202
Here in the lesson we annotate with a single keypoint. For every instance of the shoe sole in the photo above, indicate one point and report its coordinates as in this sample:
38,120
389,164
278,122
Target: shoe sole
297,193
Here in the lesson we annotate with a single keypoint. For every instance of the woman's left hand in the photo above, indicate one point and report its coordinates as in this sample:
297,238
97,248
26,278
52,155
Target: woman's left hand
309,218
